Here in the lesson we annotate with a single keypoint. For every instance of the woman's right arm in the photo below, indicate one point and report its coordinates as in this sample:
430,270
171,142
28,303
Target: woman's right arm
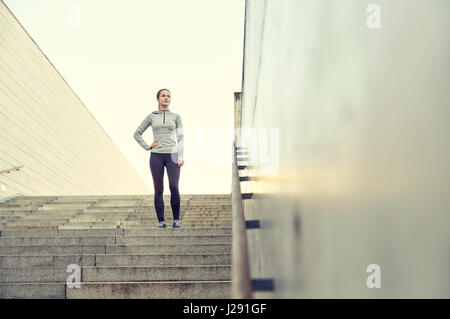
140,130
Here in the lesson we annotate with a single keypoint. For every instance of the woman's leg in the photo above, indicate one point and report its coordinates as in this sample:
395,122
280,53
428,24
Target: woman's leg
157,169
173,171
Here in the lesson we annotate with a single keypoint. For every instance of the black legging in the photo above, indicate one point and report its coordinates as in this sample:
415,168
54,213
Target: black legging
157,163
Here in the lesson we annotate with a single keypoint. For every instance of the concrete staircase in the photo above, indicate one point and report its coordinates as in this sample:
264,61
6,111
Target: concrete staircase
114,241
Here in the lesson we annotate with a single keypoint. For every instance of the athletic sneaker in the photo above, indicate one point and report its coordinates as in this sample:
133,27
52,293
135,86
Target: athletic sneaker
162,225
176,224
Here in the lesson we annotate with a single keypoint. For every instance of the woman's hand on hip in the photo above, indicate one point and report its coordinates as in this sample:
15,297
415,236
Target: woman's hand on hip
180,161
153,145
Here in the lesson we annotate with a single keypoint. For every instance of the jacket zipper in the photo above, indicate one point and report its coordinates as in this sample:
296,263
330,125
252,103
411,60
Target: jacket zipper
164,117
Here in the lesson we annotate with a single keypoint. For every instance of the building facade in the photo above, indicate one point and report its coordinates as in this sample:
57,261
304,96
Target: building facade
50,144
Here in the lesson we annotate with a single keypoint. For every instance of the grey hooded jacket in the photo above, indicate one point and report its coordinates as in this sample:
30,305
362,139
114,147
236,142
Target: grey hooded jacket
167,131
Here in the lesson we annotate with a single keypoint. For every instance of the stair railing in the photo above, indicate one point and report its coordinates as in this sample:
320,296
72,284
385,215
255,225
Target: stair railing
241,286
9,170
10,197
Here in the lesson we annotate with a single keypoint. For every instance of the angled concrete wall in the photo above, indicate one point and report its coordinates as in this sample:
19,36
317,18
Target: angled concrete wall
45,128
363,169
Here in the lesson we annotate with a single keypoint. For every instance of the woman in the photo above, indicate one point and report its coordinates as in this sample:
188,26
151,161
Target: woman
167,131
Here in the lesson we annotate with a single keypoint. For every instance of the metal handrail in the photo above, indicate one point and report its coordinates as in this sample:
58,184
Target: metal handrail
240,271
9,170
10,197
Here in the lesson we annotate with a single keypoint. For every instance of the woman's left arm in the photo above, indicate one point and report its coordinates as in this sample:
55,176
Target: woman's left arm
180,140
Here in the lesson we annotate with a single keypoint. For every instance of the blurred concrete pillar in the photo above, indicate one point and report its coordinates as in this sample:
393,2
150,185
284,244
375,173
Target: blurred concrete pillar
359,93
237,117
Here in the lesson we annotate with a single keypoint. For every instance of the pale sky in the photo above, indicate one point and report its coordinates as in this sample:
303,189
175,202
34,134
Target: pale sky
118,54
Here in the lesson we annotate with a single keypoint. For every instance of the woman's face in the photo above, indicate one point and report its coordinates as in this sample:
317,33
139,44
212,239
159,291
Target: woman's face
164,98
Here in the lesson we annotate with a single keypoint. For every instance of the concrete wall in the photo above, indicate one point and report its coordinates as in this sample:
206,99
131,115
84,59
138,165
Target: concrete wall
363,149
47,129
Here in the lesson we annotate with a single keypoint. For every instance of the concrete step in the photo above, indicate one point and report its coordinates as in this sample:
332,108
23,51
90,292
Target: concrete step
208,214
115,232
210,203
163,259
150,273
184,225
110,203
115,241
32,290
151,212
205,224
8,218
117,273
54,214
52,250
56,206
123,240
21,222
56,240
27,232
203,206
11,261
108,226
151,222
198,197
152,219
41,212
18,208
113,220
185,231
210,196
115,249
209,208
77,199
136,215
193,226
124,290
27,224
137,224
208,211
114,260
34,219
171,239
29,201
91,198
166,249
9,227
190,202
153,290
3,205
73,210
34,274
144,214
125,209
91,225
